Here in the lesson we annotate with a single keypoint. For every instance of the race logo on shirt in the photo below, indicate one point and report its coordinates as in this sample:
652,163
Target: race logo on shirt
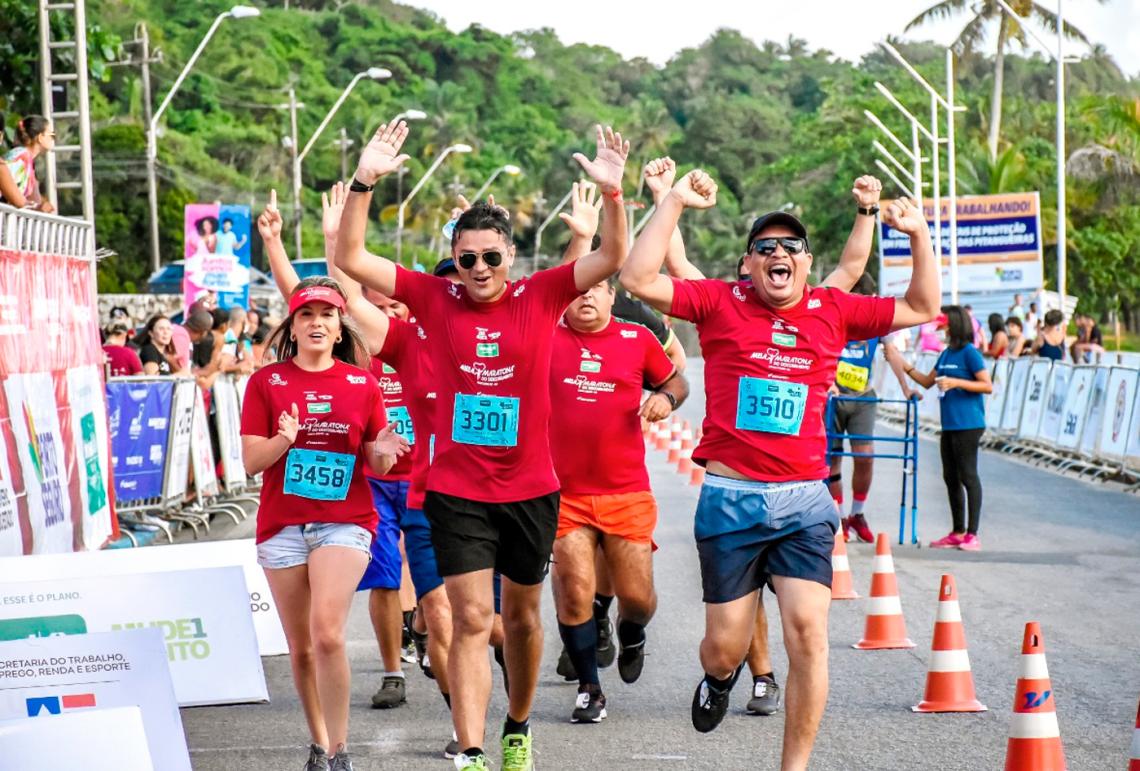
813,304
488,377
387,369
738,293
391,386
356,379
421,333
487,350
590,387
483,334
277,380
520,290
453,290
629,334
317,408
779,325
590,366
778,360
315,428
786,340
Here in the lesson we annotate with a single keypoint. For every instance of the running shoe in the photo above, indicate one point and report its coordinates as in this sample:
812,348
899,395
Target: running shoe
391,694
420,641
710,705
970,542
565,668
340,761
590,706
846,522
452,750
407,644
606,650
318,759
518,752
857,523
765,696
466,763
950,541
631,660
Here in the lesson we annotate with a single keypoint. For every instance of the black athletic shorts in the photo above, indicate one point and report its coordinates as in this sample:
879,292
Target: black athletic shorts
516,538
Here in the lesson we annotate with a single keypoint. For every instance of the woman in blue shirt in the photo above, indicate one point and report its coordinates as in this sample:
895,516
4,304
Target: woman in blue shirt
962,379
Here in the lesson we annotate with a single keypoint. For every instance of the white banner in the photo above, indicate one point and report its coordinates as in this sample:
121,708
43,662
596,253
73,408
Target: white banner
1132,447
1055,401
39,443
202,453
1090,431
1015,394
181,427
1036,392
11,538
995,404
203,614
92,452
92,740
156,559
44,677
229,432
1119,398
1076,407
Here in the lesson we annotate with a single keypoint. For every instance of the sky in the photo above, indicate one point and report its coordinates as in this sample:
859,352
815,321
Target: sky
851,28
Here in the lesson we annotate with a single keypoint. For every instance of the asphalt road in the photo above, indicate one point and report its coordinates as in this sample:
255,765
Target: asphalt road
1055,550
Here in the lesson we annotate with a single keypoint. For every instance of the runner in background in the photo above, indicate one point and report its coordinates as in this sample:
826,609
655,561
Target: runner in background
962,378
765,515
312,422
492,496
660,175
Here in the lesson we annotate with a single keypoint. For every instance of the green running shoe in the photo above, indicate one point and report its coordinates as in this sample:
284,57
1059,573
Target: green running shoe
466,763
518,753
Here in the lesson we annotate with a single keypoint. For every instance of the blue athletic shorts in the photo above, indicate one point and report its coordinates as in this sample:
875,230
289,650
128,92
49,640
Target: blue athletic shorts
748,532
421,555
390,500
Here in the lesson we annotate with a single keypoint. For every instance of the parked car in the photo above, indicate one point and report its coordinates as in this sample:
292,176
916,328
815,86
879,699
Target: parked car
168,280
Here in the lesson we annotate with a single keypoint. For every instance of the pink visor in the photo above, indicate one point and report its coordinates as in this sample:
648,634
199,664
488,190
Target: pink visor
315,294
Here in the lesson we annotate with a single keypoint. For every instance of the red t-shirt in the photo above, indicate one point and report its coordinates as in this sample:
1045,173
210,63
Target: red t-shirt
392,387
595,389
405,351
491,367
751,352
340,409
124,361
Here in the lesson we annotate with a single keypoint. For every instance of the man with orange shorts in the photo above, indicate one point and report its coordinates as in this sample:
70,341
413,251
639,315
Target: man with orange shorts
598,370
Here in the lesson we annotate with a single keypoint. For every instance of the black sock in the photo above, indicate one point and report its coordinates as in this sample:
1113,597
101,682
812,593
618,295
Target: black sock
630,633
768,675
513,727
723,686
447,698
408,616
581,643
602,605
474,752
500,657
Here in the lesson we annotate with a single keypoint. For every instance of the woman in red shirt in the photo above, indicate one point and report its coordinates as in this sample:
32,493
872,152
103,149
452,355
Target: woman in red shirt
306,423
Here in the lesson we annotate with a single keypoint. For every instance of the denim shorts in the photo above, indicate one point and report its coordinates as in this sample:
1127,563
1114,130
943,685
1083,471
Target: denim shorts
292,544
748,532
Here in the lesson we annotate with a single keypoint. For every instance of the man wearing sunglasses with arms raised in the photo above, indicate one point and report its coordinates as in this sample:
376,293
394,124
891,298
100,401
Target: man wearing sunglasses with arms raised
492,496
771,347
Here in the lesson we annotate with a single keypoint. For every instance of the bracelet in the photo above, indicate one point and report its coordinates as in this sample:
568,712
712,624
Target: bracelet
359,187
615,195
871,211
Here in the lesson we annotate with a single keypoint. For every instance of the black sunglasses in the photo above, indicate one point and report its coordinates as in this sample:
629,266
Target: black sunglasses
766,246
467,259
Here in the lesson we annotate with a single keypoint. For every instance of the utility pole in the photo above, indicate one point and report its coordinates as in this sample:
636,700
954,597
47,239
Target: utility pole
294,149
344,143
143,40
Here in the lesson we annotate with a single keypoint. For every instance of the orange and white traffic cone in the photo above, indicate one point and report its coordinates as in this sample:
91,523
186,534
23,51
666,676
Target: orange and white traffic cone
685,461
697,477
842,587
1134,761
1034,738
674,451
949,681
661,436
885,627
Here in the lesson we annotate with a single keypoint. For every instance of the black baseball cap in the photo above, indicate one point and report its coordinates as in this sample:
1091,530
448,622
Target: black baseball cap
777,218
444,267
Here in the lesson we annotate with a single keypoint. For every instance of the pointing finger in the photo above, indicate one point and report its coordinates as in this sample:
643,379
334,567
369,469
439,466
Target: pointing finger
272,205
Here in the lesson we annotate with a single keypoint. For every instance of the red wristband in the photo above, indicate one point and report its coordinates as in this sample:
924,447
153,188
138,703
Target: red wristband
615,195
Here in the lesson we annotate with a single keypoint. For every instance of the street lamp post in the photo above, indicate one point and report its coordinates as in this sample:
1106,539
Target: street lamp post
374,73
237,12
508,168
457,148
403,170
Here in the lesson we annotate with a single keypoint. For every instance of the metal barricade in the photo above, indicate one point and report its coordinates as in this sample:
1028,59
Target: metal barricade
909,456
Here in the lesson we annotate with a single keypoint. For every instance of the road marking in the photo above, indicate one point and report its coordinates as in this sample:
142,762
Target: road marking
660,757
381,744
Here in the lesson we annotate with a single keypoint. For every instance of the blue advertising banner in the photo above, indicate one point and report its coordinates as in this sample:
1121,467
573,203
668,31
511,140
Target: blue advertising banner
139,414
999,246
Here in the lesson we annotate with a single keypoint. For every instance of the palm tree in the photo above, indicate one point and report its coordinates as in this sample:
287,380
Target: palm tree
971,35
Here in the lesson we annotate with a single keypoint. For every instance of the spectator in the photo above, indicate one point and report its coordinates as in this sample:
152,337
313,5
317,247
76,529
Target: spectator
156,347
930,337
1015,331
1017,309
1089,343
1050,343
9,190
1032,325
121,360
206,351
979,333
255,327
35,136
999,340
237,351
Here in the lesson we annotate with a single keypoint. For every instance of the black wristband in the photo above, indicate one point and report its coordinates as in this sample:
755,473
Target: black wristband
672,399
359,187
871,212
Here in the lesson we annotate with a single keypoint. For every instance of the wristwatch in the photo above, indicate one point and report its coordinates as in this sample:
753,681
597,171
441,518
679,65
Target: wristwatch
870,212
359,187
672,399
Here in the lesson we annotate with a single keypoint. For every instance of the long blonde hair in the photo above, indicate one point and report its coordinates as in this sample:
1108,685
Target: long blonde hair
350,349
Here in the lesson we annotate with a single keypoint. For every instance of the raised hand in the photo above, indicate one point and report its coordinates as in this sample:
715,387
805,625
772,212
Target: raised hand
269,222
696,190
902,215
388,442
585,209
866,191
660,174
608,166
382,155
288,424
332,205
